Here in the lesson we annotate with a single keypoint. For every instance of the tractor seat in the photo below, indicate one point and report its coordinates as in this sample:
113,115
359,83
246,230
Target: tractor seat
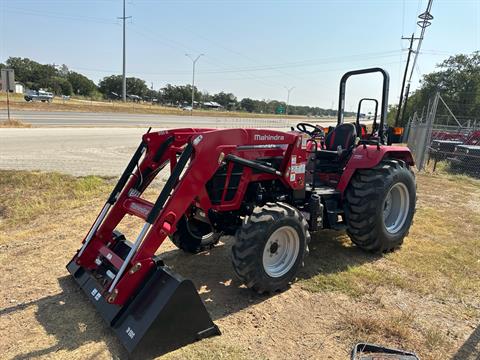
338,143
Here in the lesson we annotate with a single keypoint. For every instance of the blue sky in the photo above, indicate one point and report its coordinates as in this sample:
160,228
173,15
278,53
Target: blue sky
252,48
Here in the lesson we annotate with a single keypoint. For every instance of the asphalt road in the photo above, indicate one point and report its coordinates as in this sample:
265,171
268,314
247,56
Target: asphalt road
94,143
75,151
86,119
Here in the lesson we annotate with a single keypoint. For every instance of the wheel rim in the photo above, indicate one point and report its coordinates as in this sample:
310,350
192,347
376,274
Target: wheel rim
396,207
281,251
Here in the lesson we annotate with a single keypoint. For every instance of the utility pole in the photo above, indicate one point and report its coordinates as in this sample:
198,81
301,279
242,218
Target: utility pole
151,93
410,51
194,61
124,78
288,97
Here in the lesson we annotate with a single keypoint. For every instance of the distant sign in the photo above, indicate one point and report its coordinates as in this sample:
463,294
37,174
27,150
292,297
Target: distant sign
280,110
8,80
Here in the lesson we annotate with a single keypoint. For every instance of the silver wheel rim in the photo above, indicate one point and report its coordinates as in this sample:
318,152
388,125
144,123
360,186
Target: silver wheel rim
281,251
396,207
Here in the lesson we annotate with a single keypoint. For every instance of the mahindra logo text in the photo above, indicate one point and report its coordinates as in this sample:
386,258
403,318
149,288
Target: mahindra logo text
259,137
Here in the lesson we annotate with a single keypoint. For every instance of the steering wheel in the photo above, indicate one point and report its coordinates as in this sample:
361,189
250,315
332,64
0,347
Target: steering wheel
310,129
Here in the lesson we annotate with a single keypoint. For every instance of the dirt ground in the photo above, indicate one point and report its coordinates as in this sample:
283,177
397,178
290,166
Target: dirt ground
424,297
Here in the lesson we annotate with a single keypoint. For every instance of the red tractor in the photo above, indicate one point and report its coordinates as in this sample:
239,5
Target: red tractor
270,189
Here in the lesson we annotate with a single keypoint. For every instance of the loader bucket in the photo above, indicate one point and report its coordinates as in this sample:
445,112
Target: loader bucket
165,314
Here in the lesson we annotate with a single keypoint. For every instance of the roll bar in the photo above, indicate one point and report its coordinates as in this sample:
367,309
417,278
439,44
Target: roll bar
360,107
386,84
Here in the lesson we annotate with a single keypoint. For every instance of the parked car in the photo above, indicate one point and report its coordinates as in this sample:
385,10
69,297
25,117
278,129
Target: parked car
134,98
39,95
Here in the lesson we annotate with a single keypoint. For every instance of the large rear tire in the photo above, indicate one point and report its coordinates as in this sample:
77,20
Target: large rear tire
270,247
380,206
194,236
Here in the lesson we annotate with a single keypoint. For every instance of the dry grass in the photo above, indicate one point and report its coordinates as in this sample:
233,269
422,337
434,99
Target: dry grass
444,249
14,123
437,271
423,297
26,196
18,103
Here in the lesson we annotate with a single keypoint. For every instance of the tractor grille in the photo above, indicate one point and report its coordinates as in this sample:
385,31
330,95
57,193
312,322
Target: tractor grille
216,185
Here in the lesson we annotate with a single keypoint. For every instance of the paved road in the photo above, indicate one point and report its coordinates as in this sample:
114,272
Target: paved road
85,119
76,151
93,143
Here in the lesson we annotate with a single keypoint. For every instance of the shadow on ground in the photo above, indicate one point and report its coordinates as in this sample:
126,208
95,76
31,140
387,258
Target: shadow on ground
223,294
470,350
71,318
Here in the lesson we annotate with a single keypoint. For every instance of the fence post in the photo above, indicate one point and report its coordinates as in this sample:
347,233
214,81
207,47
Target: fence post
428,131
407,130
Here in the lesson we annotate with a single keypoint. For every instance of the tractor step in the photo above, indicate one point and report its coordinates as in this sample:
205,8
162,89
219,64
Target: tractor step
326,191
166,312
332,200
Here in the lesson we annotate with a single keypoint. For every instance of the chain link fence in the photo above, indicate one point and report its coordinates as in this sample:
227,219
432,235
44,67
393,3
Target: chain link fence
436,144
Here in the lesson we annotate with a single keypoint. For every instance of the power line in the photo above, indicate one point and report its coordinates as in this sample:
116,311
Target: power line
62,16
186,49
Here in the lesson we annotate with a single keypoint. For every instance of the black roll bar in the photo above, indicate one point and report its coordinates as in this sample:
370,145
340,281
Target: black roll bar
360,107
385,87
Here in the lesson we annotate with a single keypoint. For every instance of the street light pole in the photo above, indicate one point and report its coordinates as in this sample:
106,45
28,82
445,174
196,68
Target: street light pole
288,97
194,61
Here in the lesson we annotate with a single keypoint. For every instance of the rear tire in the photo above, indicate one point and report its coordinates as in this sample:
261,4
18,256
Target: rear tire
380,206
194,236
270,247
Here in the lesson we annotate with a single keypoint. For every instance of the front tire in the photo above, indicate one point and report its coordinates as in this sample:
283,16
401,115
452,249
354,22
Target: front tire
194,236
270,247
380,206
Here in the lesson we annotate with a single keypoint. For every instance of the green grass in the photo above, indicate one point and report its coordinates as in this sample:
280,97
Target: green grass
439,258
27,195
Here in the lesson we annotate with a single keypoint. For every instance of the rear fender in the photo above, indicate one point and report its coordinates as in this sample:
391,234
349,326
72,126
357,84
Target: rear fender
369,156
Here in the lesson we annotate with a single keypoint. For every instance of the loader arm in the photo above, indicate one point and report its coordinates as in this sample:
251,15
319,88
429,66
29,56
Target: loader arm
201,156
195,156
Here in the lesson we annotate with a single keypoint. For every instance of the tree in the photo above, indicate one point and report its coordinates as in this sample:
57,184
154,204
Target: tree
113,84
227,100
457,80
61,81
81,85
136,86
59,86
175,95
247,104
31,73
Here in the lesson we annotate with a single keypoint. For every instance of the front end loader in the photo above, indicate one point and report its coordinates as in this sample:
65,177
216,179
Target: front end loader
269,189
